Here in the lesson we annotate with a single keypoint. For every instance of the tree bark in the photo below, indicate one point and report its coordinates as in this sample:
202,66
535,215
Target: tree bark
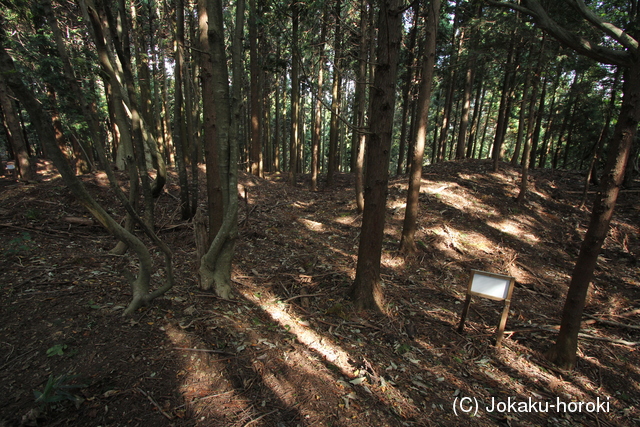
563,353
531,118
295,99
359,133
466,95
214,190
317,122
406,91
255,148
503,110
180,131
215,265
407,241
42,122
336,94
604,134
14,131
366,291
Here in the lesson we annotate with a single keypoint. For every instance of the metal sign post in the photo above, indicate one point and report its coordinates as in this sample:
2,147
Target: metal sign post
492,286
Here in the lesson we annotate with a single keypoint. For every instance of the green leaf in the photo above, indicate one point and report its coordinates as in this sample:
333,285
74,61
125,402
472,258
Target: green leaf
56,350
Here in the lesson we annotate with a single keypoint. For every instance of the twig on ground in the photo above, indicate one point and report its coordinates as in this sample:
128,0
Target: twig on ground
580,335
205,350
260,417
167,416
612,323
302,296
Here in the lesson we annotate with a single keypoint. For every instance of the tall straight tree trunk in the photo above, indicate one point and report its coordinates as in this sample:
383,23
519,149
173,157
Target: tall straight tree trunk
406,90
503,110
255,148
365,42
522,118
538,127
276,128
544,149
180,131
359,100
16,138
295,98
597,150
466,101
531,119
366,290
485,127
446,117
214,191
407,241
563,353
317,121
336,94
215,265
149,118
475,118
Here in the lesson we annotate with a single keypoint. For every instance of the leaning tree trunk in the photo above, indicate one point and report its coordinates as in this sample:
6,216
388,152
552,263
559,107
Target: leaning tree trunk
366,290
563,353
44,128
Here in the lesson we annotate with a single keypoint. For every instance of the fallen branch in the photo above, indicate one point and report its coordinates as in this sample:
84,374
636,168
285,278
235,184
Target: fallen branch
580,335
259,418
301,296
167,416
630,313
612,323
222,299
48,231
204,350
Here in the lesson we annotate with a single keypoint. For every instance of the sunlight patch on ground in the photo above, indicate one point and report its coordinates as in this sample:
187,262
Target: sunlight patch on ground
355,379
507,226
346,219
323,345
197,380
446,193
312,225
391,261
563,389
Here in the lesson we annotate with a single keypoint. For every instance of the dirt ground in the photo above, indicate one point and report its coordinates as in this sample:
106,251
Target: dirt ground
289,350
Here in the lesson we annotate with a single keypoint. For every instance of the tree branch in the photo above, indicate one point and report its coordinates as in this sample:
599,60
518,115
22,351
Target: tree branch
578,43
609,29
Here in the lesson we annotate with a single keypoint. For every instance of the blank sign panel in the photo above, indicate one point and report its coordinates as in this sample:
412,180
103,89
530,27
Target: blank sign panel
494,286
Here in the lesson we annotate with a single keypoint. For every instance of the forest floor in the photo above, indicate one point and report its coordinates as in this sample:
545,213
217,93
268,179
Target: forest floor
290,350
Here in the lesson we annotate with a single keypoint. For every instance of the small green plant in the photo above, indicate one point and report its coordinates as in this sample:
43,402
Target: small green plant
32,214
56,350
59,389
403,348
21,243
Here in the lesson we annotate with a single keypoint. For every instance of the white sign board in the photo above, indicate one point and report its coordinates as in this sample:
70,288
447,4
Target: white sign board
490,285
